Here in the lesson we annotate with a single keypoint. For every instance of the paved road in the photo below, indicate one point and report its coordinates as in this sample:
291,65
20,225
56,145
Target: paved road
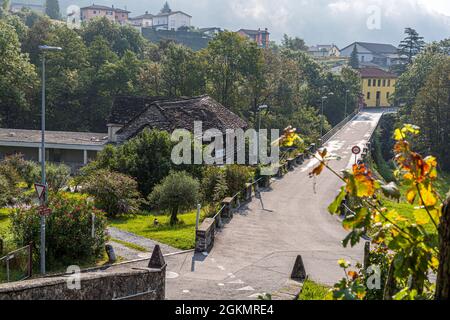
255,252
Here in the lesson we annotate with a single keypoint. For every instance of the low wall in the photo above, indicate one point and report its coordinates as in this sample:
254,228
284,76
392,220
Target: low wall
205,236
142,284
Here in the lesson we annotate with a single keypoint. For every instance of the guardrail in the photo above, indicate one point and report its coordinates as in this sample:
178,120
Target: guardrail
17,265
338,127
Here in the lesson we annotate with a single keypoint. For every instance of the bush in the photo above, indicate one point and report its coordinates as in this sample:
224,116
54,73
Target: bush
237,176
214,185
28,171
178,191
114,192
68,230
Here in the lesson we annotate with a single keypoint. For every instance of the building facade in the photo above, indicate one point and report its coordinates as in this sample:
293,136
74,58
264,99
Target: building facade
261,37
143,21
377,87
173,20
97,11
373,54
324,51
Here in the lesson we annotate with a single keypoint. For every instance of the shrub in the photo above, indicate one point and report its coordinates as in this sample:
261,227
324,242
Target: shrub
68,229
214,185
237,176
114,192
178,191
28,171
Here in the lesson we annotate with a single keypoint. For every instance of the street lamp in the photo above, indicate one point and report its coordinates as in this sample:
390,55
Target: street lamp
324,98
44,49
260,108
346,102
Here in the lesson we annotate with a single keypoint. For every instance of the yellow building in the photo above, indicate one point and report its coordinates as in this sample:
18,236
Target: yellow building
377,87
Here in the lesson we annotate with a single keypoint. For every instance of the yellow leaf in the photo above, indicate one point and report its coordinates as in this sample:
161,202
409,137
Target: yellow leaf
411,195
408,176
398,135
434,263
428,196
421,217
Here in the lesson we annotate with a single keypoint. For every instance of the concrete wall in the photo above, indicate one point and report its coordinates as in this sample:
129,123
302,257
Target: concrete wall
122,284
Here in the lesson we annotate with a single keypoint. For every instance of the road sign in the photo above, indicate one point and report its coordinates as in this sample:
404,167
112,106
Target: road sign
44,211
40,190
356,150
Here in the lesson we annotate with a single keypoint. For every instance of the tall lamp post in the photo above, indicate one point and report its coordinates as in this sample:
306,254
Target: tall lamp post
324,98
44,49
260,108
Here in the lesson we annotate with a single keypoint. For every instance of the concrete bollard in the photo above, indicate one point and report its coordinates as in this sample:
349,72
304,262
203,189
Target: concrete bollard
228,210
157,260
290,164
265,182
248,194
300,159
299,272
111,254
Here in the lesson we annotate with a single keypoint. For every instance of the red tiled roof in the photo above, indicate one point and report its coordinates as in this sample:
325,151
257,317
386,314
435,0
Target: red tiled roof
376,73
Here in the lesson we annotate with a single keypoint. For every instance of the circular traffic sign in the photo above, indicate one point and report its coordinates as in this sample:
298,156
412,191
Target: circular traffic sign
356,150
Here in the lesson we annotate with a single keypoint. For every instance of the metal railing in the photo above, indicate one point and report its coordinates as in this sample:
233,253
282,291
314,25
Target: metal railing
17,265
338,127
235,203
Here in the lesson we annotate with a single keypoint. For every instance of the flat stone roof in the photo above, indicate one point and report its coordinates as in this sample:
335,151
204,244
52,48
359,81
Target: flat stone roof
53,137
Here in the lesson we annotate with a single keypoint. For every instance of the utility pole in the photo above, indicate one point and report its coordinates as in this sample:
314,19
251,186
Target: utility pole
44,49
324,98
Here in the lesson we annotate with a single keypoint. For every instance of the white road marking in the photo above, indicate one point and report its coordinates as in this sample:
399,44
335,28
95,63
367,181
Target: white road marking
221,268
246,289
172,275
237,282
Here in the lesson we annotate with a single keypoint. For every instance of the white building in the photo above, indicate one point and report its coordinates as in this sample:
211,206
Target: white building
173,20
143,21
321,51
373,54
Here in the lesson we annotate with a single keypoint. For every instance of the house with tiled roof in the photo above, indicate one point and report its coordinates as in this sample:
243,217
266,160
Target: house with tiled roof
261,37
377,87
113,14
373,54
131,115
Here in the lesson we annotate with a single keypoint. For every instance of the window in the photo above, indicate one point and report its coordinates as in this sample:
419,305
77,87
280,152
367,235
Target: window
389,82
387,95
95,12
362,58
370,82
384,82
379,82
368,95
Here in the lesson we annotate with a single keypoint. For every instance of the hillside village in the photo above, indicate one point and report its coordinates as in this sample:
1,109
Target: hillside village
123,152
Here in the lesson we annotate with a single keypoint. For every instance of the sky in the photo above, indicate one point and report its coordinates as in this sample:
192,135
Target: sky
317,21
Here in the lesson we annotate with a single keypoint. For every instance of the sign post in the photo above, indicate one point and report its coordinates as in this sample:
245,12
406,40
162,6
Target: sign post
356,151
41,191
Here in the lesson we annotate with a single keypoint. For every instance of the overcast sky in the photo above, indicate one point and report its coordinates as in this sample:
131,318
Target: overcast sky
317,21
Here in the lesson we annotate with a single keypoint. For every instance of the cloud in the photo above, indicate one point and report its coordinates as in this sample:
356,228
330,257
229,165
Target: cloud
317,21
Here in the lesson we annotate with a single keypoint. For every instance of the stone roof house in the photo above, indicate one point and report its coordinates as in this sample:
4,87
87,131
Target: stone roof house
373,54
131,115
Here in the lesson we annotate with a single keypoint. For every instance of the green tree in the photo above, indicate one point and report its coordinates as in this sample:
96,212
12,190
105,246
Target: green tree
18,78
52,9
432,113
412,45
295,44
177,192
354,59
182,71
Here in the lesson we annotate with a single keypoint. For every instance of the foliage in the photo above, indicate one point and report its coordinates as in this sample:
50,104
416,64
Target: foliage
114,193
237,176
295,44
412,45
312,291
214,185
177,192
354,59
414,248
68,229
52,9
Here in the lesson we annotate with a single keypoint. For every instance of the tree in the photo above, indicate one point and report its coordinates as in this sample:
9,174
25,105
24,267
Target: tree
18,78
431,112
114,193
52,9
295,44
166,8
178,191
443,276
412,45
354,59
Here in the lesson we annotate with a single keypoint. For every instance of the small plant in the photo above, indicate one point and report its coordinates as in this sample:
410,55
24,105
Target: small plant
237,176
115,193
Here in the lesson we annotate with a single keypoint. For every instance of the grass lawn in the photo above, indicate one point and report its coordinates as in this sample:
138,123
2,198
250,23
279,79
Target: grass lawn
181,236
313,291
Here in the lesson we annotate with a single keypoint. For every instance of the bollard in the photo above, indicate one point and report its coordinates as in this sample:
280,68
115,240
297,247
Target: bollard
299,272
111,254
157,260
